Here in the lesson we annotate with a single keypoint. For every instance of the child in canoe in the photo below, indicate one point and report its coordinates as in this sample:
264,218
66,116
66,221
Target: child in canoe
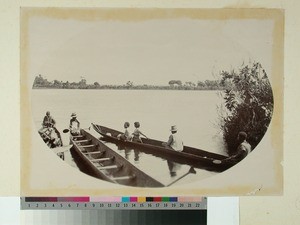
136,135
126,136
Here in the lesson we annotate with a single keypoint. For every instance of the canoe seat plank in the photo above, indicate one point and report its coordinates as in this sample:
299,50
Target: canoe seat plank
106,164
108,167
100,160
123,178
82,141
89,153
86,146
77,136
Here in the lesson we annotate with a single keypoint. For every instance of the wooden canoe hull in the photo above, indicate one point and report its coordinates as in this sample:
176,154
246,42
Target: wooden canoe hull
191,156
52,143
104,163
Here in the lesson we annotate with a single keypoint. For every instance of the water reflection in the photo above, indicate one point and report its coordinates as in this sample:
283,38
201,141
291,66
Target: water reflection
136,155
164,170
173,168
128,151
191,171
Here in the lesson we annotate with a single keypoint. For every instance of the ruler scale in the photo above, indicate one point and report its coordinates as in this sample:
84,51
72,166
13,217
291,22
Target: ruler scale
114,203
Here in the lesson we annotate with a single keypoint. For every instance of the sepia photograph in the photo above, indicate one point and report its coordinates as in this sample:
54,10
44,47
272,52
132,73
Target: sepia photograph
151,98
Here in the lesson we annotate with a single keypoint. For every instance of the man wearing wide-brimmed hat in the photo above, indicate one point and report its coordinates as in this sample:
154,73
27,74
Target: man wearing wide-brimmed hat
74,124
174,142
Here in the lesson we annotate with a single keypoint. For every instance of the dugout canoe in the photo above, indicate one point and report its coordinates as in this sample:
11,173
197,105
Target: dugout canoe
197,158
104,163
51,136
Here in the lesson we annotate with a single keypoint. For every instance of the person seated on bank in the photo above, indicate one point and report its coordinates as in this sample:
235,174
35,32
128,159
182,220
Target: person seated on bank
48,122
126,135
74,124
175,142
136,135
243,149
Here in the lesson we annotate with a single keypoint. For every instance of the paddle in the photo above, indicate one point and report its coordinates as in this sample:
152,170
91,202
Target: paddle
67,130
191,170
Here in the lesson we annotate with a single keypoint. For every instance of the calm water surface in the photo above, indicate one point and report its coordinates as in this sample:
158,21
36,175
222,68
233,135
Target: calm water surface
194,113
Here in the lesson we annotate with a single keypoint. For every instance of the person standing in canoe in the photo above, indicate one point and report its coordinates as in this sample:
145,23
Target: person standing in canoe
175,142
136,135
74,125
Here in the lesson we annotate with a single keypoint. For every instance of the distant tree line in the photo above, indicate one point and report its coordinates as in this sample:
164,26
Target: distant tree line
41,82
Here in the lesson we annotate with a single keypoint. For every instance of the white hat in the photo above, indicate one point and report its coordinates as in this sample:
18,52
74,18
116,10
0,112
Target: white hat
73,115
173,128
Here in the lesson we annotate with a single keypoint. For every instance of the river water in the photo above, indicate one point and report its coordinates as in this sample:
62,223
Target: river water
194,113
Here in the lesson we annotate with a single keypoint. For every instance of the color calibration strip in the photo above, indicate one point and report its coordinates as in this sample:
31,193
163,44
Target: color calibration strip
32,203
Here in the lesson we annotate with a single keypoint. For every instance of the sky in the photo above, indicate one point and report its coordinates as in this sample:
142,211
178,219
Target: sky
147,52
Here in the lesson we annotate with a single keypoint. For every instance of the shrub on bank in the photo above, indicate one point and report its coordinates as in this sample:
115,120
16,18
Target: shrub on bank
248,104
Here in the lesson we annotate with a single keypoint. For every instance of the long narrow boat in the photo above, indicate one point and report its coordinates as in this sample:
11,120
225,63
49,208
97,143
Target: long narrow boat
51,136
106,164
191,156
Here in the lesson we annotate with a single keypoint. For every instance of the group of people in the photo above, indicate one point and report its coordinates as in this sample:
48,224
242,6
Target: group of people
135,136
243,147
175,142
51,135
